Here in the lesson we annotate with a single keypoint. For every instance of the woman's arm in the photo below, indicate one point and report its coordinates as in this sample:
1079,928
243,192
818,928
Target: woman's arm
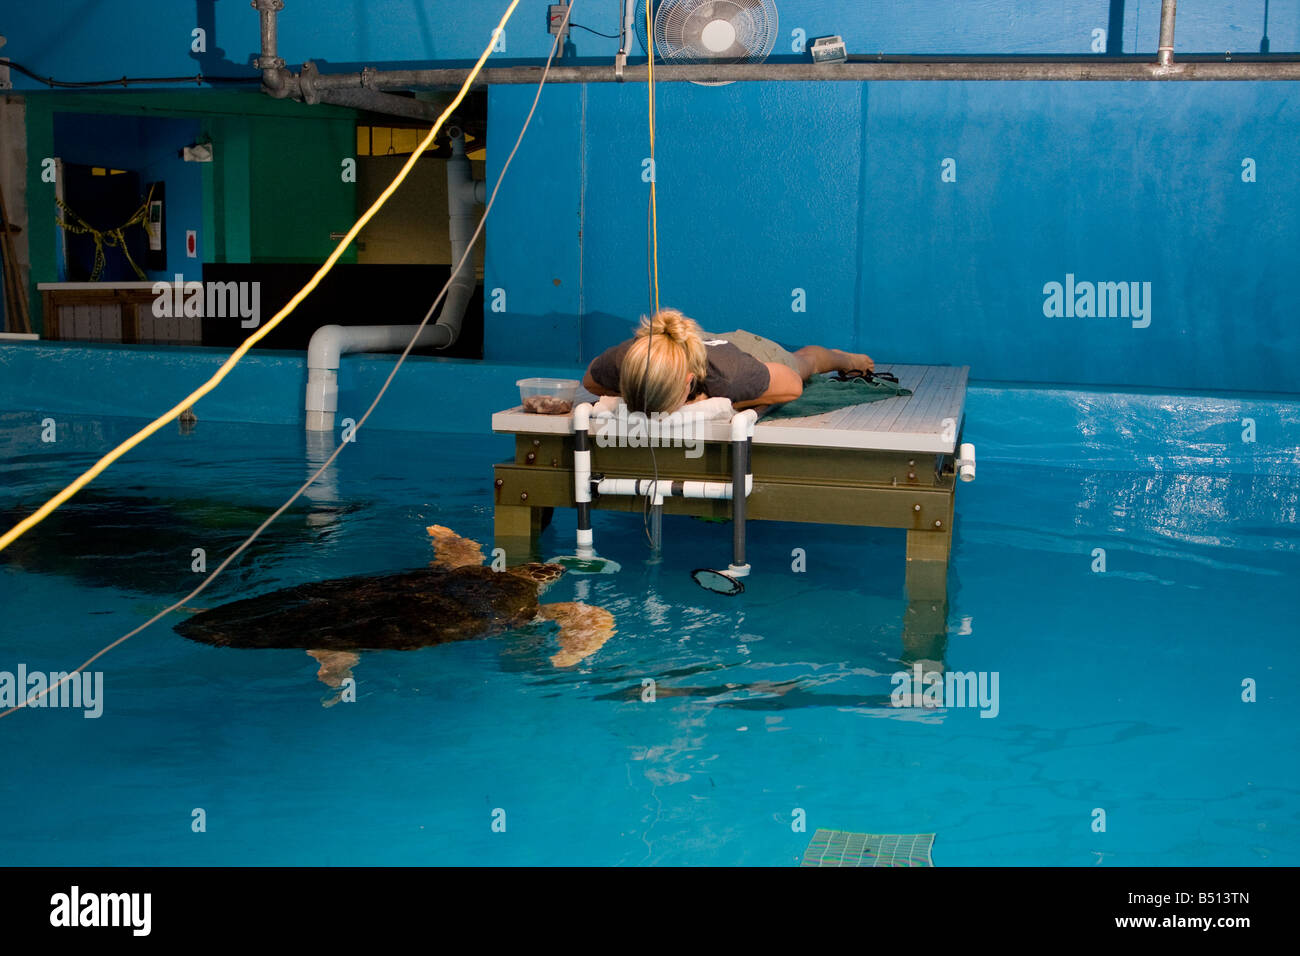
784,385
591,385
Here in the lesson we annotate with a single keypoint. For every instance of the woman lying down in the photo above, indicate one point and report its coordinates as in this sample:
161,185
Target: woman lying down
671,362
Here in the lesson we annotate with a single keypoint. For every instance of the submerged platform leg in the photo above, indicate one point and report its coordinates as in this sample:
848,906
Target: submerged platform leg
516,529
927,564
927,559
925,621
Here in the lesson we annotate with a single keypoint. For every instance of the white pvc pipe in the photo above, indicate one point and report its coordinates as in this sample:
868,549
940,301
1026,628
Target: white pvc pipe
664,488
966,463
330,342
629,21
742,425
582,459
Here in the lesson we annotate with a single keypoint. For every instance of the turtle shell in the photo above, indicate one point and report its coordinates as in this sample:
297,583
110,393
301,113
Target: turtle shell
388,612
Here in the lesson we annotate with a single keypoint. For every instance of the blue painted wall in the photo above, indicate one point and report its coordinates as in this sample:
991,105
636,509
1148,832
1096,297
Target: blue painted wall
150,147
836,189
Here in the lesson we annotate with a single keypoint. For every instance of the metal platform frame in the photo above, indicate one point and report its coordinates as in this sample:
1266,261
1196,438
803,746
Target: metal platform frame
889,464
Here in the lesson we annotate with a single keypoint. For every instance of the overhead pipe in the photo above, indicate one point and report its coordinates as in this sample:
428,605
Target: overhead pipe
364,97
1202,67
374,101
312,86
330,342
274,74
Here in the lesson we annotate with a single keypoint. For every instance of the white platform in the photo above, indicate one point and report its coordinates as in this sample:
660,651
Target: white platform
928,420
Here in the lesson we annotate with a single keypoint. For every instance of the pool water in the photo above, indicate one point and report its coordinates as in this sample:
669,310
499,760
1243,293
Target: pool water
1119,690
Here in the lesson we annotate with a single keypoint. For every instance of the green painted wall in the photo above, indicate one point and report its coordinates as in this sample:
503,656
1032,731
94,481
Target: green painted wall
296,187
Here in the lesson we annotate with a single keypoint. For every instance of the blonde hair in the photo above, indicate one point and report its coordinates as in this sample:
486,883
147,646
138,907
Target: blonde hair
675,349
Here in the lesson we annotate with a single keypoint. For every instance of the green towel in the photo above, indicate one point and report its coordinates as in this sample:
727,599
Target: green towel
823,394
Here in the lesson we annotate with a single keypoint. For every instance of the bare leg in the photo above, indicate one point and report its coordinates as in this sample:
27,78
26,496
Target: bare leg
814,359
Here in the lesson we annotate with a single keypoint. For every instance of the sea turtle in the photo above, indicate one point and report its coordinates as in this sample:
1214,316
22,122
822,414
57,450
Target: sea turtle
454,599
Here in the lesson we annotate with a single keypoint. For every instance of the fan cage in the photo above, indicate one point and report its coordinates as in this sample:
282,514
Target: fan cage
679,24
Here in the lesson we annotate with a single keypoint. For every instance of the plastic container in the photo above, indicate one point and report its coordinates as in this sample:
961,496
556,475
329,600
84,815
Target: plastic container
548,396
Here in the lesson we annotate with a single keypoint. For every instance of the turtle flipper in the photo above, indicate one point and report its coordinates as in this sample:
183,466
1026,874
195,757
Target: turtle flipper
450,550
584,629
335,668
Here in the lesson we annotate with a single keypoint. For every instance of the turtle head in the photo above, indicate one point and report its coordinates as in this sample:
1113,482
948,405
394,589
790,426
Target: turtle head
539,574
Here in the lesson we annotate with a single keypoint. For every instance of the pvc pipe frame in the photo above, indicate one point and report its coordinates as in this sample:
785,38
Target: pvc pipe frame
657,491
742,432
330,342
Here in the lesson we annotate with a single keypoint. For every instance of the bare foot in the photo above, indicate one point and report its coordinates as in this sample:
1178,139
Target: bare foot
856,362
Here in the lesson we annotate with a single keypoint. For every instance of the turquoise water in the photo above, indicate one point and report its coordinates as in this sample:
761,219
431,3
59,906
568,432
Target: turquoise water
1118,690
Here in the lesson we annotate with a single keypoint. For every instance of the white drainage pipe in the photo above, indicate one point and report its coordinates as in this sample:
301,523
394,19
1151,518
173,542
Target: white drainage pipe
331,342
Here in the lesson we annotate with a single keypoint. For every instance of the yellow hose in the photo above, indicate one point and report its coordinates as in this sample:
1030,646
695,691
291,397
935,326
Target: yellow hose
365,416
654,207
45,510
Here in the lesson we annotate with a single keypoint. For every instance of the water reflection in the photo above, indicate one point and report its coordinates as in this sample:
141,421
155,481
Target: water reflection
145,543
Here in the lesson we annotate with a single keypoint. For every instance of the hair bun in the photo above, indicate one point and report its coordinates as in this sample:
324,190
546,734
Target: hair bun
670,323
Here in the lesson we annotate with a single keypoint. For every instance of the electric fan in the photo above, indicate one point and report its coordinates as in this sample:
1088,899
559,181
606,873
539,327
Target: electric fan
709,31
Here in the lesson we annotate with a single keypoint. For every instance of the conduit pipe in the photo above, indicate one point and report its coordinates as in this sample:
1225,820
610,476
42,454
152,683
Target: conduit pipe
330,342
1165,52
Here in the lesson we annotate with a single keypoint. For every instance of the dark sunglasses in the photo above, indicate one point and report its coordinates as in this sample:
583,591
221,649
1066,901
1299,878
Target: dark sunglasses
868,376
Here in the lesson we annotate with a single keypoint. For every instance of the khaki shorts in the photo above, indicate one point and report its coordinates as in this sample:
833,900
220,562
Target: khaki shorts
765,350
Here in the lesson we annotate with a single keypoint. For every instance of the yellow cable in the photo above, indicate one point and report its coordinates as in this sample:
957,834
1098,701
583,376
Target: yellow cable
365,416
654,209
100,466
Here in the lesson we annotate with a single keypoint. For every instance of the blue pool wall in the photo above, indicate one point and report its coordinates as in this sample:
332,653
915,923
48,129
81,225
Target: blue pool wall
821,211
818,213
1148,431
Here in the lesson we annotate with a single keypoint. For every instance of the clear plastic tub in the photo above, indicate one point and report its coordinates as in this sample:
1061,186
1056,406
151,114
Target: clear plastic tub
548,396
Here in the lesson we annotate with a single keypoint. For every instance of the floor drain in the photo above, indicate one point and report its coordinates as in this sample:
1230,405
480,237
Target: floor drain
842,848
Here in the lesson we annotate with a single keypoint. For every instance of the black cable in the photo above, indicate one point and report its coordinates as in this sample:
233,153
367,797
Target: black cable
197,78
650,339
612,36
650,251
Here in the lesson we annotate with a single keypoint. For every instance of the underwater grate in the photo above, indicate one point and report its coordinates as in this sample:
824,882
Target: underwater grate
842,848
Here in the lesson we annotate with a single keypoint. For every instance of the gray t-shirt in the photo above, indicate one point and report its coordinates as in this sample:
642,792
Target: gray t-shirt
731,373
